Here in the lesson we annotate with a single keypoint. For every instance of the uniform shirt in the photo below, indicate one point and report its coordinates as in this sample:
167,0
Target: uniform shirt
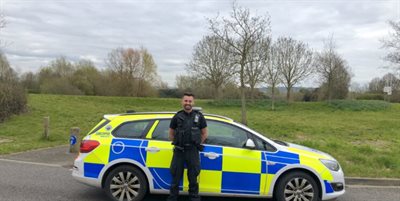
189,121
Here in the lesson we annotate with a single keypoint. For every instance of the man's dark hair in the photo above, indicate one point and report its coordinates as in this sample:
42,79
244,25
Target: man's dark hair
188,94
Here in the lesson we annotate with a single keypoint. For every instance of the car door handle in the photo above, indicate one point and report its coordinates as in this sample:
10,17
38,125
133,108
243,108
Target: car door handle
152,149
211,155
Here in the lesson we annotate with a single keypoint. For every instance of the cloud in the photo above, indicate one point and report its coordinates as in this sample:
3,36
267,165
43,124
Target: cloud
90,29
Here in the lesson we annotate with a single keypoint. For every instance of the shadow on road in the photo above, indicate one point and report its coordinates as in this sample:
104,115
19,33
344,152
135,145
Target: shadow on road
100,195
203,198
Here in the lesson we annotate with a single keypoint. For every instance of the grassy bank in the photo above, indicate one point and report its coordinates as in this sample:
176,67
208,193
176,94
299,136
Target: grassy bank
363,136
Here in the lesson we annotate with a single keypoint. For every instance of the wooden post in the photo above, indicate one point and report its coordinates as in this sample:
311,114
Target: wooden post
46,124
74,140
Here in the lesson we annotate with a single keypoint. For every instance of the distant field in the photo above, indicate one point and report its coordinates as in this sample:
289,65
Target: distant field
363,136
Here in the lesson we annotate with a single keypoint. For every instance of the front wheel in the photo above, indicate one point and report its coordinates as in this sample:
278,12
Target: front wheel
126,183
297,186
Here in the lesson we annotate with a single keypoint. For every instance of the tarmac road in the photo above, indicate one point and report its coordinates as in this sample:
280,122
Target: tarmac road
20,181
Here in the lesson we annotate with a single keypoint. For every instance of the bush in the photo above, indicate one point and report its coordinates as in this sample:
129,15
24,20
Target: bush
12,100
359,105
258,103
370,96
12,94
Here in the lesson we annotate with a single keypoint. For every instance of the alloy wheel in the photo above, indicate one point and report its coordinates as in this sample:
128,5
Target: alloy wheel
125,186
299,189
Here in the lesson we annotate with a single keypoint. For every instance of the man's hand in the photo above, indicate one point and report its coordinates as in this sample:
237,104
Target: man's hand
204,135
171,134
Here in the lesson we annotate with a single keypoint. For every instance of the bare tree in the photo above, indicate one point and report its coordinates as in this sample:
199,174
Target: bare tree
211,61
393,44
133,69
342,81
333,72
197,85
375,85
2,25
258,60
147,74
294,58
241,32
272,72
327,64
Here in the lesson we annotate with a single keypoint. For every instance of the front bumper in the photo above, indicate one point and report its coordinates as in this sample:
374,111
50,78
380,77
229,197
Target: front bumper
336,187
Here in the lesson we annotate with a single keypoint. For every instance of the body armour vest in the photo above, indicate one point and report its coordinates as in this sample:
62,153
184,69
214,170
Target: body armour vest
188,131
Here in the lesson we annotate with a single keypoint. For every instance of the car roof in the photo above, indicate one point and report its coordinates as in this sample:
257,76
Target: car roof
160,115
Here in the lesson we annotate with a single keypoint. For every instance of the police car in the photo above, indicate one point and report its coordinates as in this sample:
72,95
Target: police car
129,155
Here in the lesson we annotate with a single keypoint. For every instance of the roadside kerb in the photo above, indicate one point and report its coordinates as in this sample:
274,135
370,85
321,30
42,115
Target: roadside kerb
362,181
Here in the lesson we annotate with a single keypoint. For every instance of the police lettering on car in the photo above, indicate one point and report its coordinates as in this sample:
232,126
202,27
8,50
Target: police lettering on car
188,130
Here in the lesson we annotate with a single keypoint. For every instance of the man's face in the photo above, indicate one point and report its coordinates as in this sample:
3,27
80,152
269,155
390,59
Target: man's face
187,102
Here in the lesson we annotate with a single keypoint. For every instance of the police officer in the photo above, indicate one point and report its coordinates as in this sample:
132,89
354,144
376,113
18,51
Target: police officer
188,130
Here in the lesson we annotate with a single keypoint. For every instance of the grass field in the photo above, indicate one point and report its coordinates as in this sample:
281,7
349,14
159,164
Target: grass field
364,135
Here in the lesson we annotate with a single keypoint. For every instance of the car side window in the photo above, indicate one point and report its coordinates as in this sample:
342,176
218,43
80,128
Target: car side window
225,135
134,129
162,130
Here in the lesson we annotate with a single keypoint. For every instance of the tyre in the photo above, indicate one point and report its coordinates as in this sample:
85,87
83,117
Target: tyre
126,183
297,186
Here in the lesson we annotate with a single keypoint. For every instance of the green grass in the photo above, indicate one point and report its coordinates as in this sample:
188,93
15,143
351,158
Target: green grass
363,135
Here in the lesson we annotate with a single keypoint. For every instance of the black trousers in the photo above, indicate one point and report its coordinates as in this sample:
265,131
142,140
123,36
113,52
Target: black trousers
190,157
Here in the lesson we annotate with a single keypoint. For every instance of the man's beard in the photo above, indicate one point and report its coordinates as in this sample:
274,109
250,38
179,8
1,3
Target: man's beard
188,107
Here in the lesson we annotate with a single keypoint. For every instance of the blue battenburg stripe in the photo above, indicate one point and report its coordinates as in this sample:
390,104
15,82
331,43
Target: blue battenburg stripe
127,148
284,154
240,192
263,167
263,163
235,182
211,164
328,187
162,178
156,185
273,169
92,169
283,160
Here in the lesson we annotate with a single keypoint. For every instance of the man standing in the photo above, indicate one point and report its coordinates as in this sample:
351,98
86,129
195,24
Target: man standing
188,130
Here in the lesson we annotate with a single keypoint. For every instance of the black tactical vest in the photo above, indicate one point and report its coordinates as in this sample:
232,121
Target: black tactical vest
188,131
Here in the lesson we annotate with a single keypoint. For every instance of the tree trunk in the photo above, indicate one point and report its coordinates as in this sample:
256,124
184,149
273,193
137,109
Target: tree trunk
273,98
242,91
139,90
252,93
244,116
329,91
288,94
217,93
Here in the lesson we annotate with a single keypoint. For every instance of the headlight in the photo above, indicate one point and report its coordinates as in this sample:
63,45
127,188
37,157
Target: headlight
330,164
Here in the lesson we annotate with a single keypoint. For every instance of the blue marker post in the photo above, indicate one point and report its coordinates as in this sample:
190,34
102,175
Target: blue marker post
74,140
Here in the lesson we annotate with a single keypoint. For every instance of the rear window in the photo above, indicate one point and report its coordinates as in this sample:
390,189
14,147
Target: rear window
134,129
100,125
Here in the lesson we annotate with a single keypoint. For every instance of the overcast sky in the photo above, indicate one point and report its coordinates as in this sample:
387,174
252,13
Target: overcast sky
40,31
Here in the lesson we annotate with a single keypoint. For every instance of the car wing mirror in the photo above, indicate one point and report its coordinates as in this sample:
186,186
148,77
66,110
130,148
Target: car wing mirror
250,144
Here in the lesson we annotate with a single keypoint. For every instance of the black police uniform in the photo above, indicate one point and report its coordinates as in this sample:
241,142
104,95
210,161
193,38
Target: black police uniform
187,141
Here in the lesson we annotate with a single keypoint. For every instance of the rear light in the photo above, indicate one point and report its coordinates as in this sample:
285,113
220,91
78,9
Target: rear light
88,145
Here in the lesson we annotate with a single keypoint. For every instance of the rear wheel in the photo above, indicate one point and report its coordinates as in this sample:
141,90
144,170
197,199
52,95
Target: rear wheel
126,183
297,186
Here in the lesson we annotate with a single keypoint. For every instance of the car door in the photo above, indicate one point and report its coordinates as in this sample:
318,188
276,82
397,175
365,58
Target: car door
159,155
226,165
